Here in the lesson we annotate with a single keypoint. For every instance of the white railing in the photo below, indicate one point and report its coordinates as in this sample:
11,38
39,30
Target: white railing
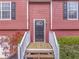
23,45
54,44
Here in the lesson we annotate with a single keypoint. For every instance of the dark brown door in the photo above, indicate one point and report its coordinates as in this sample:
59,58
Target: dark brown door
39,30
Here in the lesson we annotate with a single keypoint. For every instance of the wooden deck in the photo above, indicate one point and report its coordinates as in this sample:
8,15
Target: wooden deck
39,50
39,45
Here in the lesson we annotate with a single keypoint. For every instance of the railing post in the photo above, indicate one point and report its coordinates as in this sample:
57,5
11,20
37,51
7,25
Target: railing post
57,53
23,45
54,44
18,51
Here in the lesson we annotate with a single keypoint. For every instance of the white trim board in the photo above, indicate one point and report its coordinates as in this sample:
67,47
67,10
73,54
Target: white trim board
39,0
51,12
27,14
38,49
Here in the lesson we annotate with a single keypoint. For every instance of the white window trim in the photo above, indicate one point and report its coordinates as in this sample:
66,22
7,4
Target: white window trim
68,11
1,10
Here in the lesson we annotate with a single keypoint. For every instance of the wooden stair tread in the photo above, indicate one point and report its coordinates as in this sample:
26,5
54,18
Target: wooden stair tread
40,56
39,50
39,45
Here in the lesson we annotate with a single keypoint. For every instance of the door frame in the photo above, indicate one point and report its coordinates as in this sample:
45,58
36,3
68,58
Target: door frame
44,29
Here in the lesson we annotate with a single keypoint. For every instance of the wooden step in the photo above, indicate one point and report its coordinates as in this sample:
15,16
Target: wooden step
40,45
39,56
39,50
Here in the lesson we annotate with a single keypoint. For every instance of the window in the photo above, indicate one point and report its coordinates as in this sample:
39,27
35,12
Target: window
71,10
13,10
7,10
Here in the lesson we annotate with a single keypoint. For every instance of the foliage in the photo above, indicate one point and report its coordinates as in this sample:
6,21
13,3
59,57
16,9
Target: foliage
19,36
69,52
69,47
68,40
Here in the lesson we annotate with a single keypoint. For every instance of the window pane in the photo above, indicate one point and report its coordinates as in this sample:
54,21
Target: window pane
5,14
13,10
5,6
0,6
65,10
72,14
72,9
73,5
0,14
13,14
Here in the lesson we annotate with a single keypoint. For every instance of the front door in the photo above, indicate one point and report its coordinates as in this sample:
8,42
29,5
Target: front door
39,32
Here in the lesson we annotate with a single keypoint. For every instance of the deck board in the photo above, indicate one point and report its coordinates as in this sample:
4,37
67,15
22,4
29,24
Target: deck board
39,50
39,45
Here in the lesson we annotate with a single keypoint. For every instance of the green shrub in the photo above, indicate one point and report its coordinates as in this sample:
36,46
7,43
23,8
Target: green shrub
68,40
69,47
69,51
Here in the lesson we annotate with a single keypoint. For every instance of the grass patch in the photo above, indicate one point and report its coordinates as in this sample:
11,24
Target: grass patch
68,40
69,52
69,47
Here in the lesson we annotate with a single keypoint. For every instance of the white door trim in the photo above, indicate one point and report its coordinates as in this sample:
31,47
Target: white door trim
44,29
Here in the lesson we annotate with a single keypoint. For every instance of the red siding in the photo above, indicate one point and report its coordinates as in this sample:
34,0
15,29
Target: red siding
21,21
39,11
21,17
67,33
58,21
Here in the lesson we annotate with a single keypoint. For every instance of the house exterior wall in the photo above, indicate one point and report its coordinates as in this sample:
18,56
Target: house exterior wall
61,26
21,15
36,10
67,33
39,11
13,28
58,22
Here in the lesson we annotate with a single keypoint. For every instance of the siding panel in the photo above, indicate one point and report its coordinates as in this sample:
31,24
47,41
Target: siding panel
58,21
21,17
